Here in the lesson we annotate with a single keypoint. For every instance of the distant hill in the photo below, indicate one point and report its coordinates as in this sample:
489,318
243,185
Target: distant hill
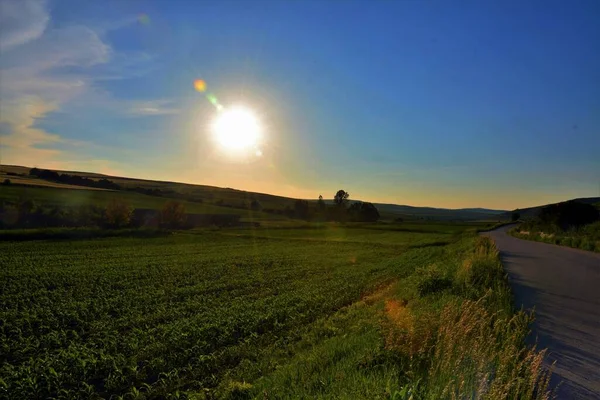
410,212
227,197
532,212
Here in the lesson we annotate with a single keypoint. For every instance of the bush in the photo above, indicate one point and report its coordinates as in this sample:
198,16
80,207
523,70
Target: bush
173,215
117,214
431,281
483,269
566,241
587,244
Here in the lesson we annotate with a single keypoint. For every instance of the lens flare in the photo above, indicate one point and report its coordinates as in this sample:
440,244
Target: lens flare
144,19
200,85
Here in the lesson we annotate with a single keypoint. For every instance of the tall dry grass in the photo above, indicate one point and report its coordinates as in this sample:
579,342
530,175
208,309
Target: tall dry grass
476,348
480,354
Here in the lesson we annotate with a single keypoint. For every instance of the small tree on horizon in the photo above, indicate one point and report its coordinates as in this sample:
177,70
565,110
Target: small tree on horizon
341,198
321,203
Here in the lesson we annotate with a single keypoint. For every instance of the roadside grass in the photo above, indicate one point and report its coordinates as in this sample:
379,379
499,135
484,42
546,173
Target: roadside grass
460,338
584,238
495,225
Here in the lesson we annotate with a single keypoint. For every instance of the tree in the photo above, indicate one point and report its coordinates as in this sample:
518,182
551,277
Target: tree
321,203
117,213
568,214
6,182
515,216
341,198
255,205
363,212
173,215
25,208
301,209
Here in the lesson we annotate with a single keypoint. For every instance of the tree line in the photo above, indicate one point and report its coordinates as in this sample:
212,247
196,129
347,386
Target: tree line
117,214
340,210
73,179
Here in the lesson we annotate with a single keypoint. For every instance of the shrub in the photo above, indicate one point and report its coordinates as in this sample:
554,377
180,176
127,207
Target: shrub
432,280
587,244
117,214
483,269
566,241
173,215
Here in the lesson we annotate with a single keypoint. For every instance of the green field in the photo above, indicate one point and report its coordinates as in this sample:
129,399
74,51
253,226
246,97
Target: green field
329,312
209,194
75,197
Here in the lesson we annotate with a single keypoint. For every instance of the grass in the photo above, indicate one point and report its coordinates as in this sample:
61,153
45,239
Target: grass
209,194
584,238
17,235
319,312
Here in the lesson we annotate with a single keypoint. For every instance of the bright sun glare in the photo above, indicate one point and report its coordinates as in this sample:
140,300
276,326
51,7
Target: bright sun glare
236,129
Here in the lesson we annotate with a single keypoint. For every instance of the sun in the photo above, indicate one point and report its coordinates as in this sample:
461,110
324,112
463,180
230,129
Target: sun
237,129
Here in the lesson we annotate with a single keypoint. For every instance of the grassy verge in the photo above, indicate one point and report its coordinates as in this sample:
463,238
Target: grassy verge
448,330
577,240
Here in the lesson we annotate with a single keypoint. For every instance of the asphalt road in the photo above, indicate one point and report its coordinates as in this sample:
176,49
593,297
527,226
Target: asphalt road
563,285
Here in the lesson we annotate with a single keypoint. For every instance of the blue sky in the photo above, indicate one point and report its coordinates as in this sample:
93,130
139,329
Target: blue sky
449,104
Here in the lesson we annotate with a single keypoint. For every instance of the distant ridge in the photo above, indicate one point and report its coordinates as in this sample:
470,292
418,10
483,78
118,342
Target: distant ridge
531,212
233,197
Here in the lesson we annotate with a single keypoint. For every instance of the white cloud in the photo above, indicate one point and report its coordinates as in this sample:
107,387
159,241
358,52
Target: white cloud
73,46
31,87
21,21
32,84
42,69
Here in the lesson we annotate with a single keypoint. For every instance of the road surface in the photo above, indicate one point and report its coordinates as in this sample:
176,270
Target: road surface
563,285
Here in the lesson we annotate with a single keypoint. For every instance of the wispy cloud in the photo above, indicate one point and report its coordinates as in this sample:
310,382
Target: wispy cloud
153,107
21,21
44,68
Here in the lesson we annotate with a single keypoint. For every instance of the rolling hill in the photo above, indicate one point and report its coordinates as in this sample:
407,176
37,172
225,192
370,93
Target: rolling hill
532,212
211,198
